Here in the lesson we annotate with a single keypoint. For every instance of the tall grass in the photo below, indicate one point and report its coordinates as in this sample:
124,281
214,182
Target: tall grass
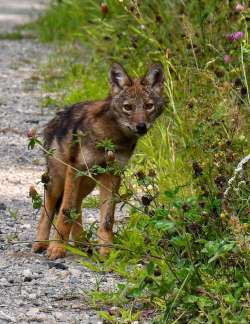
137,33
193,148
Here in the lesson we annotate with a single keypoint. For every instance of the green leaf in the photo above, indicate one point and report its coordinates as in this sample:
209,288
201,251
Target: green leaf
97,169
205,301
135,292
76,251
165,225
160,213
181,241
217,249
229,299
111,258
32,143
81,173
106,316
150,268
37,201
51,151
107,145
90,266
170,194
191,299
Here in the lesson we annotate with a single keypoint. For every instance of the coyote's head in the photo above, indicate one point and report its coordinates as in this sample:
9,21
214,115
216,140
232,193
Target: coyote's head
136,103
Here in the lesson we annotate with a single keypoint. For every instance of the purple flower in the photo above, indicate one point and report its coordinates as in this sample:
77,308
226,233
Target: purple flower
227,59
239,7
235,36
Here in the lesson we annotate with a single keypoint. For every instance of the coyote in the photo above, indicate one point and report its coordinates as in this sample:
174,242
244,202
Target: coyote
73,136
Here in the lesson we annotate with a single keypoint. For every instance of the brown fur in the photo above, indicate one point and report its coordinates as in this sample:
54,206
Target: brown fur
74,133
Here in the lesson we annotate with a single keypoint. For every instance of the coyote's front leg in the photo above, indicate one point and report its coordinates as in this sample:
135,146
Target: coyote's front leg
109,186
86,186
64,223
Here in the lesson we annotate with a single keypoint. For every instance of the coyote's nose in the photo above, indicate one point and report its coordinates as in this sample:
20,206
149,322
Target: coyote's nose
141,128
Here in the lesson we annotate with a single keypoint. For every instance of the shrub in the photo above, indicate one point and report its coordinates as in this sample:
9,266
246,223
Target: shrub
183,254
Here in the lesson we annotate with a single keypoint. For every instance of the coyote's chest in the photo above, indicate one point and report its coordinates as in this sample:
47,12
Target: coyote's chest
88,158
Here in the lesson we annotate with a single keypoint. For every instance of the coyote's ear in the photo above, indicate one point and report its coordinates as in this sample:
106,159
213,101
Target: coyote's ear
118,78
155,78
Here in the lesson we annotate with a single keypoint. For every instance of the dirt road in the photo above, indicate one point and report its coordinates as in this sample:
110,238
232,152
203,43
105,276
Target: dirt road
31,288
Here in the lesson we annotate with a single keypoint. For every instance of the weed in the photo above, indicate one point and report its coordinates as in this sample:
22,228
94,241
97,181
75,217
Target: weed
184,255
91,202
11,36
13,213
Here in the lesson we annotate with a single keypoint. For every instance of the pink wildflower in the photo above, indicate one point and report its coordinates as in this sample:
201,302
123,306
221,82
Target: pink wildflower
239,7
31,133
227,59
235,36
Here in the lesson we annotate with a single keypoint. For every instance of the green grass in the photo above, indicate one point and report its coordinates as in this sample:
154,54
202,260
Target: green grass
16,35
185,258
91,202
11,36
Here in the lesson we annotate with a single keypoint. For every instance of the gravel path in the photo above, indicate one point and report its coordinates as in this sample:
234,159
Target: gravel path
31,288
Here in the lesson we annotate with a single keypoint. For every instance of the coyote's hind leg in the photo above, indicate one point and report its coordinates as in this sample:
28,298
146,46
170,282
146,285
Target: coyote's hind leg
64,222
52,195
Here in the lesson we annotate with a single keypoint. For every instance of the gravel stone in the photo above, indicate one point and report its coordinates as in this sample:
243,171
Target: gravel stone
57,265
33,290
75,272
2,207
27,273
4,282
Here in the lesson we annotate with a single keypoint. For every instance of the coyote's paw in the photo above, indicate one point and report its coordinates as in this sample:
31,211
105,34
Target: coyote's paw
56,252
39,247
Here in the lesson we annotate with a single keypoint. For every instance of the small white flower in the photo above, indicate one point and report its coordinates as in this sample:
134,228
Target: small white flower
241,183
242,138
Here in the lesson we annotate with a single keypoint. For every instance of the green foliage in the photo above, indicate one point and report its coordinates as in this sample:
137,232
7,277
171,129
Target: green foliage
71,215
107,145
13,213
17,35
184,255
36,201
33,142
91,202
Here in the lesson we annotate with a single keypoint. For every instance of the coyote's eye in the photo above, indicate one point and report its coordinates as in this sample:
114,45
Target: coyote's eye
149,106
127,107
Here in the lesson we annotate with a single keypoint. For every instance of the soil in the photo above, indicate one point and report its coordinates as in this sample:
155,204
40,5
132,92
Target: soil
32,288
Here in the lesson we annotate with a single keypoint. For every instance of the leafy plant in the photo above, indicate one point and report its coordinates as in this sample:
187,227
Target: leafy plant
184,254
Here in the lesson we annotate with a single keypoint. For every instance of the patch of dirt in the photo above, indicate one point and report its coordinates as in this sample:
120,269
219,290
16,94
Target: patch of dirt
32,288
